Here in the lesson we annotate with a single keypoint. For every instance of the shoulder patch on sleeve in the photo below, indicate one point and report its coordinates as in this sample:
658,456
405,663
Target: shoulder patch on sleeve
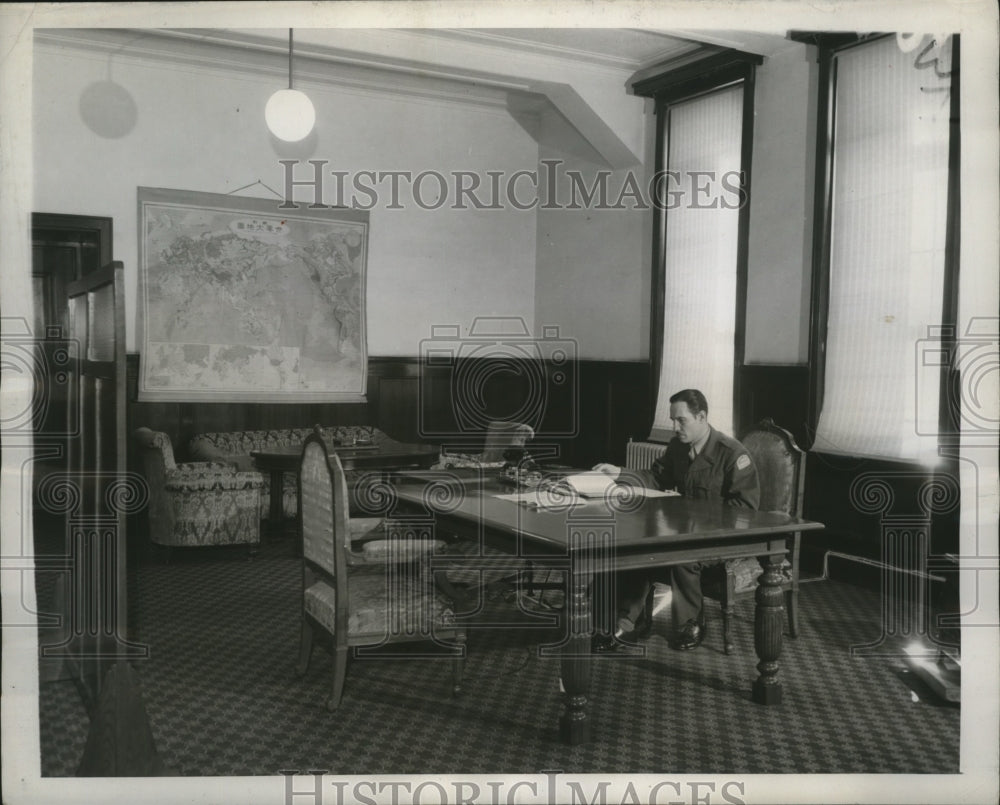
743,462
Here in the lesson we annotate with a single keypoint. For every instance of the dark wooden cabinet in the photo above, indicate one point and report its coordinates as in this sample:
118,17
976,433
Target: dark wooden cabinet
78,332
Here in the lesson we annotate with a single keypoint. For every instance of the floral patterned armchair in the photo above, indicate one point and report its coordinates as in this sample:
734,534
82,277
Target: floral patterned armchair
198,503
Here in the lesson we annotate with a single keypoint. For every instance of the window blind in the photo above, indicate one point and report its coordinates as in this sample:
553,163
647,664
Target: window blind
700,257
887,251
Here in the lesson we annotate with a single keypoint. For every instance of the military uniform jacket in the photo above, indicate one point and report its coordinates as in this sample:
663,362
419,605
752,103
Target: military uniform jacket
722,470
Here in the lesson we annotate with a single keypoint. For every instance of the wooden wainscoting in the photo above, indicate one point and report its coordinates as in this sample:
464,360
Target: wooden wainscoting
845,494
588,413
779,392
587,409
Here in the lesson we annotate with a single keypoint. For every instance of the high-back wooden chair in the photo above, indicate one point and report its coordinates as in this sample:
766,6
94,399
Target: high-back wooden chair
501,436
781,470
362,603
465,584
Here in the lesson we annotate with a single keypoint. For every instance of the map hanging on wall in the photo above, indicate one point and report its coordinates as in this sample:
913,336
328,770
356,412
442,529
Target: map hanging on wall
241,301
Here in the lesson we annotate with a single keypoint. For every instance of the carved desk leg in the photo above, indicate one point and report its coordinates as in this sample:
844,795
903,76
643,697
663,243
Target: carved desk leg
769,619
574,724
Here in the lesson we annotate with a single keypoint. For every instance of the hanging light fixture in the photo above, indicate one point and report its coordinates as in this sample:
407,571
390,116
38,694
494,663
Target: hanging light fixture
289,113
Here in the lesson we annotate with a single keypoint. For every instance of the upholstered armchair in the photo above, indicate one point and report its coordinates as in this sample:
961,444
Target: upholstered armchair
780,469
198,503
360,586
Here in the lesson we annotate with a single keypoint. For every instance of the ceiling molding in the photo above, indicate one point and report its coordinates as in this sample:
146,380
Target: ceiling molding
265,61
255,57
347,56
758,42
588,57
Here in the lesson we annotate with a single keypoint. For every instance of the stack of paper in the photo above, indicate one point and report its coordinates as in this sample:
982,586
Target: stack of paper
550,499
657,493
600,485
591,484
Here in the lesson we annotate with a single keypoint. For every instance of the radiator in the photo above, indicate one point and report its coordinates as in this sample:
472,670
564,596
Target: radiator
641,455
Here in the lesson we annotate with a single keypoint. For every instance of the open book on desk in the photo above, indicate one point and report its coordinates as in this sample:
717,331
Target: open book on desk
596,484
590,484
574,490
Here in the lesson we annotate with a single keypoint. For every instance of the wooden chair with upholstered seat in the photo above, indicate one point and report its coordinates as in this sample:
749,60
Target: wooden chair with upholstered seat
781,470
366,588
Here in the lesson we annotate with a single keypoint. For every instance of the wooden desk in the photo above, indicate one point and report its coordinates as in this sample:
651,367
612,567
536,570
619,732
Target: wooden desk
383,456
599,536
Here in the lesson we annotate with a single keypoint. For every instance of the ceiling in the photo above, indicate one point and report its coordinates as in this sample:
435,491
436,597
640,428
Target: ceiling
628,48
512,68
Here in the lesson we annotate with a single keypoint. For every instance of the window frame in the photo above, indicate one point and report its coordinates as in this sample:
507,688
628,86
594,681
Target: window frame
701,77
828,48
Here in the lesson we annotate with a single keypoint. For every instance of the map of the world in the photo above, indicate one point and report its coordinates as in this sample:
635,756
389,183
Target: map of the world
243,301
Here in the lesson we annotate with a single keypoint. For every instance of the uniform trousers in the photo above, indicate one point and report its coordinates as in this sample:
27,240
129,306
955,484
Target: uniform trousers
634,589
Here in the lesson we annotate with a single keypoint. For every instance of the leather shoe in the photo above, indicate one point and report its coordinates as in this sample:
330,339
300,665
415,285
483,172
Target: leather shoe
604,643
690,636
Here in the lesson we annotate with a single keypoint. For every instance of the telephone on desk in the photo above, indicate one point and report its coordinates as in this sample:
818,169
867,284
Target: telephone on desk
520,469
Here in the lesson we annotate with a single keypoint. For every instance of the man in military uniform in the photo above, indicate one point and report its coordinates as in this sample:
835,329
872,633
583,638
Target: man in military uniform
700,463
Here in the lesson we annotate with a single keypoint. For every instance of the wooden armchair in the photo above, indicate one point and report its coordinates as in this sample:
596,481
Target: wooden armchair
781,469
500,437
370,594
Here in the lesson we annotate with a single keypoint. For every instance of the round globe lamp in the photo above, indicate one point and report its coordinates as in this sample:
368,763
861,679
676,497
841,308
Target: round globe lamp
290,115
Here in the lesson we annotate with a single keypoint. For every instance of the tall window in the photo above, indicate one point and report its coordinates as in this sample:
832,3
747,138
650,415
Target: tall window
700,257
703,149
883,247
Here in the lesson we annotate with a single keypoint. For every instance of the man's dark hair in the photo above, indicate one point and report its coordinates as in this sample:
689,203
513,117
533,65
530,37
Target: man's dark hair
694,400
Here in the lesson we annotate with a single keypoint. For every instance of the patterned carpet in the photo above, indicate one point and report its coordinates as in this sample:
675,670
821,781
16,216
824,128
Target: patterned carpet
223,697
